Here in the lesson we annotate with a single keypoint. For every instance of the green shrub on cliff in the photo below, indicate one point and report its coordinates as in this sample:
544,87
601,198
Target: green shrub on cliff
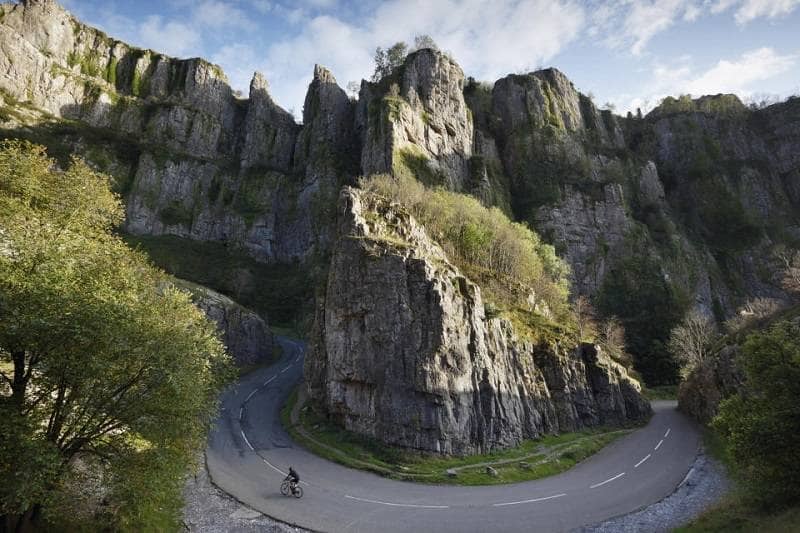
108,374
508,259
761,423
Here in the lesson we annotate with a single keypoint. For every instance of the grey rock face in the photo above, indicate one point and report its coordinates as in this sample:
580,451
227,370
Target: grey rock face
244,332
203,164
418,118
405,353
269,131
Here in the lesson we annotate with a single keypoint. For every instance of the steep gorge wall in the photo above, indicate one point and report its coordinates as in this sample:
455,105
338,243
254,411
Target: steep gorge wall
193,159
405,353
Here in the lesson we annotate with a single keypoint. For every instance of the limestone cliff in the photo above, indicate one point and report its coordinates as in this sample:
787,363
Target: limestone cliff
246,334
417,121
193,159
686,203
405,353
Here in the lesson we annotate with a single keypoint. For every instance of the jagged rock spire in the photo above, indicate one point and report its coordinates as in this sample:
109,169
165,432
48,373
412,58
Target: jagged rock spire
323,75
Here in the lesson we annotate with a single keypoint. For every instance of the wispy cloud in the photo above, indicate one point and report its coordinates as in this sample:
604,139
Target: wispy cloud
744,76
173,38
489,39
752,9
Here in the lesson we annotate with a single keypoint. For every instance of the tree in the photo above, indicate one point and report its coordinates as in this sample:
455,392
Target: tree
791,271
690,341
611,337
752,312
388,60
760,424
101,357
649,306
424,41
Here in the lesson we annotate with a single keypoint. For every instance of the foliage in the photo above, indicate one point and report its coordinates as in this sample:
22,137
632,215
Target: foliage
508,259
761,422
176,213
424,41
109,360
721,105
649,307
611,337
389,59
791,271
753,312
690,341
585,318
736,516
281,292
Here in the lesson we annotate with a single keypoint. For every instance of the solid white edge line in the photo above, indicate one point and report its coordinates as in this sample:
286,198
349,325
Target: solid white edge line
247,441
667,433
528,501
416,506
606,481
643,460
659,444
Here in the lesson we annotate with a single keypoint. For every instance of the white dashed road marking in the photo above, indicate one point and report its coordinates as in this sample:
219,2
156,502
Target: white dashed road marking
667,433
643,460
250,395
659,444
269,381
398,504
241,413
606,481
529,501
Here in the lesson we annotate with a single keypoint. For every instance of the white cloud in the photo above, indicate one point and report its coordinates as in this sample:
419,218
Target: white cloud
631,24
216,15
753,9
488,38
239,61
748,10
738,76
743,76
173,38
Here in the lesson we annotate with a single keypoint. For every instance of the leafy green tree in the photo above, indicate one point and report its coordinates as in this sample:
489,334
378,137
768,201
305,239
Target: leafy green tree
102,360
648,307
424,41
389,59
761,423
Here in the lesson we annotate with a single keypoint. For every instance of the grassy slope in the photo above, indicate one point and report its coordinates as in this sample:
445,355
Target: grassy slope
732,516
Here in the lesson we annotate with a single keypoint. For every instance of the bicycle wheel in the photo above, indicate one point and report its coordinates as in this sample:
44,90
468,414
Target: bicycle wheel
298,492
286,488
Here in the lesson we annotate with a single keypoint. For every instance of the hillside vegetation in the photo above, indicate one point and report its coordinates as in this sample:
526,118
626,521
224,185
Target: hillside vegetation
516,269
108,374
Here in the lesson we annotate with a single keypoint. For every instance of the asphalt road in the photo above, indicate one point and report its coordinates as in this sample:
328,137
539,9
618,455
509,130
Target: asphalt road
249,453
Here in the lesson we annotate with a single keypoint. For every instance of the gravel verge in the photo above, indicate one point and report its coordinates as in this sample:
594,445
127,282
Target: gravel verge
705,484
209,510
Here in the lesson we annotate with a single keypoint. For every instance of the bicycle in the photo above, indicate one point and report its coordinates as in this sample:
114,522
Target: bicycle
290,488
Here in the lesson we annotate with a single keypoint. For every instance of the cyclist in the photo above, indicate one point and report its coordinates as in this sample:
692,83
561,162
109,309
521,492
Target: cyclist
293,477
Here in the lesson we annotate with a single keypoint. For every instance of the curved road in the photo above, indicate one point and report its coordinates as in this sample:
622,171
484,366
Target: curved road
249,453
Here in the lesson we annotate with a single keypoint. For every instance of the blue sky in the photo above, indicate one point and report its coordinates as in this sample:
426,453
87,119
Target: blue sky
628,53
